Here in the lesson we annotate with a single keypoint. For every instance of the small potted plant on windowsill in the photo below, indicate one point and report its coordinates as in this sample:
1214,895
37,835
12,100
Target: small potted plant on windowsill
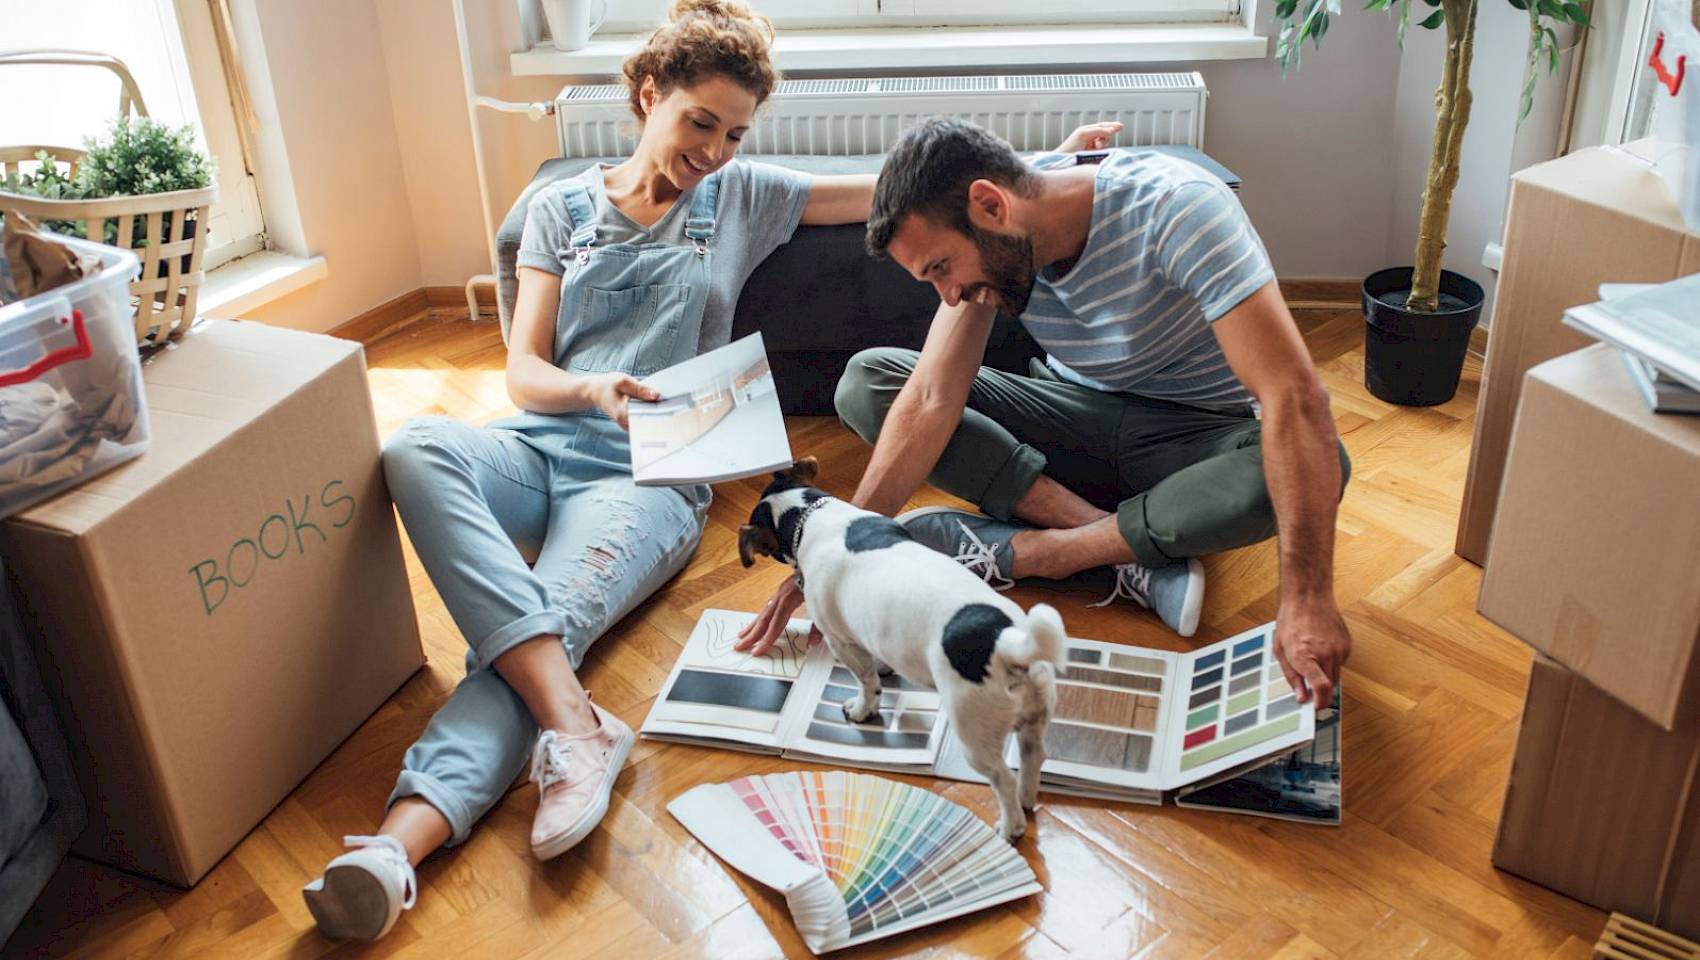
1418,319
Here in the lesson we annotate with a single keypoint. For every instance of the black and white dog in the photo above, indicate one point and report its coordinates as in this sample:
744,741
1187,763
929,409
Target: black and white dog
884,601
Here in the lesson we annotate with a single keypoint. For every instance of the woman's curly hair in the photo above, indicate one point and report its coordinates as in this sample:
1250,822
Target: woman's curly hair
701,39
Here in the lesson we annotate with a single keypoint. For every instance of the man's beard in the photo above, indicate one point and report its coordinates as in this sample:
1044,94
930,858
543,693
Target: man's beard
1008,265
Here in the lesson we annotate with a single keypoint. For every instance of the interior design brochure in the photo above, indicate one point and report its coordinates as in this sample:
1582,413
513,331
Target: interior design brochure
718,419
1131,724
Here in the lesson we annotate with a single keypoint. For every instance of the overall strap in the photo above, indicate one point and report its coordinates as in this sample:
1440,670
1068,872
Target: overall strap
582,214
699,226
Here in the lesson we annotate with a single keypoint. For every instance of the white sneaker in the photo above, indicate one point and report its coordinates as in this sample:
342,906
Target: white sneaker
363,891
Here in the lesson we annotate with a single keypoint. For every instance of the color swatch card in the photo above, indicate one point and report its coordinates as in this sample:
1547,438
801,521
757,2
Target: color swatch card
857,857
789,701
1135,723
1303,785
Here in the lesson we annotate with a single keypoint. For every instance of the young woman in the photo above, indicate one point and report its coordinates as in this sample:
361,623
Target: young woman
623,270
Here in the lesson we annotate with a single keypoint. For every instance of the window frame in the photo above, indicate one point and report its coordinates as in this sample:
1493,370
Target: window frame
639,16
238,226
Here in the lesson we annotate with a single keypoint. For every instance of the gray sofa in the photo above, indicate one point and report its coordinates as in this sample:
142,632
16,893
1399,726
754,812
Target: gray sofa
41,811
818,299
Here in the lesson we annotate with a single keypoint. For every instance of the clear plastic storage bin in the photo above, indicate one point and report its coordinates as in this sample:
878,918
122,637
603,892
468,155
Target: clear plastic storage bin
71,400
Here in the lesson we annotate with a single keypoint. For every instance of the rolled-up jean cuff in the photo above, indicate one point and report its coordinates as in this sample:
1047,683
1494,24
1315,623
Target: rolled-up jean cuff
1012,481
412,783
1130,520
551,623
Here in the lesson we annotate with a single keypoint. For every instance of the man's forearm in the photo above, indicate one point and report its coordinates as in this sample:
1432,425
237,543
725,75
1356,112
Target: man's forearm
910,443
1301,464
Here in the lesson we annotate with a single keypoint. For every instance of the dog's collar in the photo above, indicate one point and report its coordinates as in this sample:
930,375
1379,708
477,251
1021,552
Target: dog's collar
797,536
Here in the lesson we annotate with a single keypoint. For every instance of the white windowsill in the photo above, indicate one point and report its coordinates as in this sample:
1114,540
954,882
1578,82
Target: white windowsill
241,285
931,47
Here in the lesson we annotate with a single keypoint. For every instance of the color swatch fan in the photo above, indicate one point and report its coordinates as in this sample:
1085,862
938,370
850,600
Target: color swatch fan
858,857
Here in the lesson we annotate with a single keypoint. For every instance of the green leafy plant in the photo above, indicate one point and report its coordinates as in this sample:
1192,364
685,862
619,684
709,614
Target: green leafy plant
49,184
135,157
142,156
1303,20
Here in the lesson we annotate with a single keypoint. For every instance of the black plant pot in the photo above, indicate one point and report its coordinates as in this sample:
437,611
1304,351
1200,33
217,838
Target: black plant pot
1411,357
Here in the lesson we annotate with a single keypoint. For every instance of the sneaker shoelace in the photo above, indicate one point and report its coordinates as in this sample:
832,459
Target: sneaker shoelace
391,850
1133,582
981,558
550,759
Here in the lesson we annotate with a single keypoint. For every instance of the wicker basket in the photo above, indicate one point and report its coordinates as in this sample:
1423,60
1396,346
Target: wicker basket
166,290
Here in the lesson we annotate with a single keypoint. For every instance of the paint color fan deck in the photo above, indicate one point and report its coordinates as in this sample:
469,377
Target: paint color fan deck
857,857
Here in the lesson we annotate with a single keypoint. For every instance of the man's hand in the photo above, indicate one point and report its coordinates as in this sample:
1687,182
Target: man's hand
1092,136
760,636
1311,644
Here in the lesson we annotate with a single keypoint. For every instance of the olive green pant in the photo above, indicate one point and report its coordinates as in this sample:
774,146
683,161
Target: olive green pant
1182,481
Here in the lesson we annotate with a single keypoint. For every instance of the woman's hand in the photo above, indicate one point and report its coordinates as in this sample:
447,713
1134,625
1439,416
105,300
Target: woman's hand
1092,136
759,636
612,392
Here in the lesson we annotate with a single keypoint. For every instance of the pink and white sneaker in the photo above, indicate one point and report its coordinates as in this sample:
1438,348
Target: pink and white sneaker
575,776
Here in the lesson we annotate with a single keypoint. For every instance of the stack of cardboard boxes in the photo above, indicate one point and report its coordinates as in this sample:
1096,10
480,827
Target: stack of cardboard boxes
215,617
1594,554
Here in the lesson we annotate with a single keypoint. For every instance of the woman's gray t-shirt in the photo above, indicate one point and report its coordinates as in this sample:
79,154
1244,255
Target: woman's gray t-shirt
759,208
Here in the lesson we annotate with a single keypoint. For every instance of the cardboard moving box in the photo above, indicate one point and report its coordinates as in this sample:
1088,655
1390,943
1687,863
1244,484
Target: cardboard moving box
1596,216
1602,805
1595,559
218,615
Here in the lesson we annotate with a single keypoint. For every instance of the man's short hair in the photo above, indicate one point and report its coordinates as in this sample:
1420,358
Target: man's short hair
929,171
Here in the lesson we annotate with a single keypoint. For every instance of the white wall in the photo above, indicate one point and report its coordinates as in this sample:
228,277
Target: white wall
337,125
1314,149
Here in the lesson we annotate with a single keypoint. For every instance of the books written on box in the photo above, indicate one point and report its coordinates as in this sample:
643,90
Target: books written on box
857,857
718,419
1131,724
1657,323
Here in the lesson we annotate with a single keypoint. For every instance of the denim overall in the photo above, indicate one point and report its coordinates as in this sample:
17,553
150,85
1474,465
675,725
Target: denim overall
558,488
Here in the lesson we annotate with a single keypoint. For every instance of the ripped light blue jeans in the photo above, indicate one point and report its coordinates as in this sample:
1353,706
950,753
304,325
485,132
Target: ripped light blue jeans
477,502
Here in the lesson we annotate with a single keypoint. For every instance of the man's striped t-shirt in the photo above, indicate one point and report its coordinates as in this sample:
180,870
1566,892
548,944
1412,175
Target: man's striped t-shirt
1169,251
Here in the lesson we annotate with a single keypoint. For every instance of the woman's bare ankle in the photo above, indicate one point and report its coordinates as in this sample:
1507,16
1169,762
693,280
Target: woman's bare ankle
575,717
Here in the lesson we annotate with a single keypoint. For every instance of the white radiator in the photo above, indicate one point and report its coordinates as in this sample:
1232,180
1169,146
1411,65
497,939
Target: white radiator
835,117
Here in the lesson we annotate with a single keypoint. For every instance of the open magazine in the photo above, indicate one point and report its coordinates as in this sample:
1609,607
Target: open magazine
1131,724
718,419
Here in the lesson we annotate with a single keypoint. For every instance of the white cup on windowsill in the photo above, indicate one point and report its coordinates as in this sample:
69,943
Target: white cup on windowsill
570,22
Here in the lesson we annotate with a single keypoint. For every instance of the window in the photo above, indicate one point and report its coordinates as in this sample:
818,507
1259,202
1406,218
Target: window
636,16
1638,114
172,51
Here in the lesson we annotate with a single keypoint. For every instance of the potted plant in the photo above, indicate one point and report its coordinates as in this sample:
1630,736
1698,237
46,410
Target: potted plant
143,186
1418,319
137,157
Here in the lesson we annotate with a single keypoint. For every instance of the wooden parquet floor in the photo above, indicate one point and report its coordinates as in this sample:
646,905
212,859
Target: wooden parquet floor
1432,697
